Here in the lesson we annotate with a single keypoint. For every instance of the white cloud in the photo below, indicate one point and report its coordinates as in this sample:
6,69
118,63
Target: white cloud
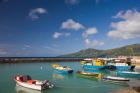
128,27
34,13
71,24
66,34
58,34
90,31
47,47
54,50
27,46
72,2
93,43
3,53
6,49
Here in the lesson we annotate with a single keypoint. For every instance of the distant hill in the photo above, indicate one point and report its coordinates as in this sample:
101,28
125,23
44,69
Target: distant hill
128,50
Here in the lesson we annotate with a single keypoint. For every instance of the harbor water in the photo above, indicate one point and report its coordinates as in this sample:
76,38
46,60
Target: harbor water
64,83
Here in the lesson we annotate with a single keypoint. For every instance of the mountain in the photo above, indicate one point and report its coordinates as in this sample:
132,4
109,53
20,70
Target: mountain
128,50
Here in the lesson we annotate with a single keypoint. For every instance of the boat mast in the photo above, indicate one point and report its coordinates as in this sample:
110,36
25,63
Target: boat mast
131,51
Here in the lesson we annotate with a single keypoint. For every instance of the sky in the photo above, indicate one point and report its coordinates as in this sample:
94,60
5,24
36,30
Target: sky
45,28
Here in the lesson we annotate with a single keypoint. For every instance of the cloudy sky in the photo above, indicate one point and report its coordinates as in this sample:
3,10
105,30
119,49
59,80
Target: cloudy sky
56,27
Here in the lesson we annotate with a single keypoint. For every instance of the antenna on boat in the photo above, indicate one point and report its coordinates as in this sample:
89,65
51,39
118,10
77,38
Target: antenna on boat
132,51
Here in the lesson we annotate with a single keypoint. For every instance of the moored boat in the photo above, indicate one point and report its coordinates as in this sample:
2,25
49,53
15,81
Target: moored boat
62,69
87,73
115,79
129,73
26,81
93,64
121,65
20,89
100,64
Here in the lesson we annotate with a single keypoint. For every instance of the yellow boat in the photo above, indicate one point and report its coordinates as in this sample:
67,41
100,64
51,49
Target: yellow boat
62,69
93,63
87,73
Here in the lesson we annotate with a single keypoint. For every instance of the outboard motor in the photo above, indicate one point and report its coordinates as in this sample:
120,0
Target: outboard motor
132,68
48,84
51,85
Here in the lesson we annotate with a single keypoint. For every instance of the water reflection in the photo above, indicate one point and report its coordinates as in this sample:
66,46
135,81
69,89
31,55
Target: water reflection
56,75
20,89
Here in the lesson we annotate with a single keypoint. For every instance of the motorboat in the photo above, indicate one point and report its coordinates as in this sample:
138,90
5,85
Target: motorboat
116,79
87,73
129,73
62,69
28,82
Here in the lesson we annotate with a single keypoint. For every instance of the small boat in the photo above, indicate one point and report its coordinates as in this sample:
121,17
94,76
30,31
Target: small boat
87,77
120,64
87,73
26,81
20,89
115,79
62,69
129,73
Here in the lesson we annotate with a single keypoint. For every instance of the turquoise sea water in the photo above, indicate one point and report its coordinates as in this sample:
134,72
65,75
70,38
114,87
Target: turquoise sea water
63,83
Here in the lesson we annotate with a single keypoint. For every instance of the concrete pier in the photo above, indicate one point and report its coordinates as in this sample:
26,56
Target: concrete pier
36,59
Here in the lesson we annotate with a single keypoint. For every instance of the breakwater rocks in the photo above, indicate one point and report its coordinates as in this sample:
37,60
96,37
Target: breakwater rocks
37,59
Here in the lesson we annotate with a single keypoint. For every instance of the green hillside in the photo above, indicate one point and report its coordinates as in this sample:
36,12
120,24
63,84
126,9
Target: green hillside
128,50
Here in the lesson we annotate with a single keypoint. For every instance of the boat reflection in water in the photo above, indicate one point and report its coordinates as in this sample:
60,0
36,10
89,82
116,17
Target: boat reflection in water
56,75
20,89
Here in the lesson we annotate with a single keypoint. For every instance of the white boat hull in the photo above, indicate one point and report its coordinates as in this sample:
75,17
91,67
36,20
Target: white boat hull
31,86
25,90
116,78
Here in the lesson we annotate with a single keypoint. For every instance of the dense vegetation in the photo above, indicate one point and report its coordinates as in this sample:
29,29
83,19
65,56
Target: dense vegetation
128,50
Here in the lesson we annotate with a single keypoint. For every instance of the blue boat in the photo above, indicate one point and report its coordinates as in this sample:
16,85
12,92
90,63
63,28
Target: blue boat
62,69
93,64
129,74
124,67
121,66
99,64
92,67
